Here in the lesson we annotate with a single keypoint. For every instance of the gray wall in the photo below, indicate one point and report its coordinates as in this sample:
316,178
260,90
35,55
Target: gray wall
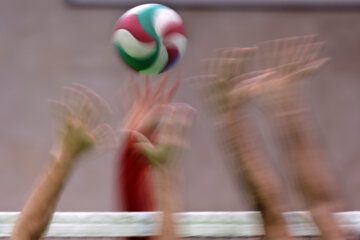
45,45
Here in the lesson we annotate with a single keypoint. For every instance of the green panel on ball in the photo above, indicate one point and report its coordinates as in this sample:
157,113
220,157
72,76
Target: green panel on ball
135,63
159,63
146,18
146,21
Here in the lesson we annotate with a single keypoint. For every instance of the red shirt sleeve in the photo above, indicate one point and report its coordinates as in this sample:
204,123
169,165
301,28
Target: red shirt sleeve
134,181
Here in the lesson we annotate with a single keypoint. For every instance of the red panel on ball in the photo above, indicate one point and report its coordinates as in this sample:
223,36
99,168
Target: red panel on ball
173,56
174,27
131,24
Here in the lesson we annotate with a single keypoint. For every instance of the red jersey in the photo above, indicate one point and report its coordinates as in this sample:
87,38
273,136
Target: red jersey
134,180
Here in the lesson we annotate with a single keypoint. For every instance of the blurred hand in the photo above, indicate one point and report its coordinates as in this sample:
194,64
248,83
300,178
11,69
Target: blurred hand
284,62
222,75
175,121
148,101
80,120
237,75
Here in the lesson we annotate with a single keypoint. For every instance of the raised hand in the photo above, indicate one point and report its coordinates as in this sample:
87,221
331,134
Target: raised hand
147,99
229,85
279,65
80,119
161,151
222,74
156,133
298,135
287,54
80,128
171,134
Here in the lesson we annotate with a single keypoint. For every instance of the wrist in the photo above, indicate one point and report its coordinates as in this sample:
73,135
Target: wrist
63,157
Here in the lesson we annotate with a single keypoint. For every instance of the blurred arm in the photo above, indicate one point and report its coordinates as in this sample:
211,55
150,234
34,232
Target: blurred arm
41,204
79,131
239,134
170,138
294,60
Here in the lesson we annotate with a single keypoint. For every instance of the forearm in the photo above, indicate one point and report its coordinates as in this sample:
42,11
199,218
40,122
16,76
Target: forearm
39,207
166,203
321,195
257,173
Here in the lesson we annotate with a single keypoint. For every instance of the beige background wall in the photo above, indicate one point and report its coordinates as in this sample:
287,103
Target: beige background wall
45,45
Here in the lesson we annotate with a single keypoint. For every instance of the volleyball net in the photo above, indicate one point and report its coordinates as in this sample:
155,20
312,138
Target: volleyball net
107,225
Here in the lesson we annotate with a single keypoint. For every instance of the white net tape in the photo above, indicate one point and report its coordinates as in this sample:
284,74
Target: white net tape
190,224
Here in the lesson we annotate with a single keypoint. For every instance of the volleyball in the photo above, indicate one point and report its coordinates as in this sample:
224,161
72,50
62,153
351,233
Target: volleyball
150,38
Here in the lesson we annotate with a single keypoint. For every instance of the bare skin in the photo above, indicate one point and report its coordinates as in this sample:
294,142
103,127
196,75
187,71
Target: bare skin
285,104
230,85
285,63
153,116
171,138
80,127
148,102
239,137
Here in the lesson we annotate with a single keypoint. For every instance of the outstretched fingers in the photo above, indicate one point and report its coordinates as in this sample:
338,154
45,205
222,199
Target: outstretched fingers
145,146
62,113
169,95
105,137
251,87
81,104
160,89
100,109
184,116
80,119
